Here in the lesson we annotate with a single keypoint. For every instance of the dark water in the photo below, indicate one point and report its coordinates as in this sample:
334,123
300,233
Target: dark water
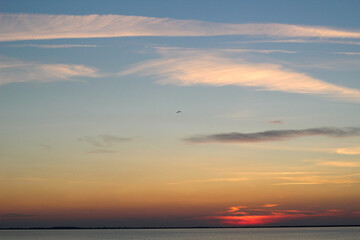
345,233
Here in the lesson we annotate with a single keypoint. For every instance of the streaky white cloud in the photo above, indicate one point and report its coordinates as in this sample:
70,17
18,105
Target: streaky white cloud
40,26
190,67
348,53
51,45
329,64
349,151
18,71
229,50
322,41
338,164
265,51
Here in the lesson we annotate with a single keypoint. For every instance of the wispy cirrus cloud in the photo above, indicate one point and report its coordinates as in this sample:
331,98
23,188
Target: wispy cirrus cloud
265,51
40,26
338,164
348,151
319,41
187,67
103,140
348,53
317,180
20,71
275,135
51,45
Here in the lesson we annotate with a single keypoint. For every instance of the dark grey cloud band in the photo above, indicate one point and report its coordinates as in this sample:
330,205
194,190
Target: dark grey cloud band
275,135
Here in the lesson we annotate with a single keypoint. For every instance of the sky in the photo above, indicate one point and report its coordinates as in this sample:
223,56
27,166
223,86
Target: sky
179,113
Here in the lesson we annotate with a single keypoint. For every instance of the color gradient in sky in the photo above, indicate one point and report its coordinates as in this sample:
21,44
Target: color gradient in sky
179,113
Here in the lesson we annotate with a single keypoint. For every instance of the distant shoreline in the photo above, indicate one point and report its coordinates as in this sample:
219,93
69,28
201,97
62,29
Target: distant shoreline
124,228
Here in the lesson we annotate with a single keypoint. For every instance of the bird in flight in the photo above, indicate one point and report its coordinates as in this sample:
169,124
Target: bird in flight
178,112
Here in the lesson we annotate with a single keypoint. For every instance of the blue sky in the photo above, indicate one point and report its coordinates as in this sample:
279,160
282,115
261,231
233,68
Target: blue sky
269,97
319,12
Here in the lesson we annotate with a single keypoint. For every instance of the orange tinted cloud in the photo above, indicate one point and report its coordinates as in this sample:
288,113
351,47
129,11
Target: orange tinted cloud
268,205
349,151
235,208
339,179
211,180
338,164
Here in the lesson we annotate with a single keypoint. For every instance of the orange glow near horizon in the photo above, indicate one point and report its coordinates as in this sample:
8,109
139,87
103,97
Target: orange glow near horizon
249,217
253,220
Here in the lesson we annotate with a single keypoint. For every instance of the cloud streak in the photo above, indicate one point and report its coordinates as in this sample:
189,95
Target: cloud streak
212,180
269,205
51,45
275,135
187,67
103,140
349,53
264,51
276,122
40,26
19,71
323,179
349,151
338,164
317,180
320,41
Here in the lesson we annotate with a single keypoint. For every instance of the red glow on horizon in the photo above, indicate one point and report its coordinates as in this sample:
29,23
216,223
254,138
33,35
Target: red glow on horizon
249,217
256,219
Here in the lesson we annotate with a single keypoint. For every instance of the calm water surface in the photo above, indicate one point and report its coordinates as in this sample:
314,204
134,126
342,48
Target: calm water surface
345,233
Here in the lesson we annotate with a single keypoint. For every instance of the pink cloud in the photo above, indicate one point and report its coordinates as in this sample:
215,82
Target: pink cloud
184,67
269,205
45,26
20,71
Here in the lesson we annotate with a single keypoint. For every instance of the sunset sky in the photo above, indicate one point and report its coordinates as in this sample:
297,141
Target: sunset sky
268,131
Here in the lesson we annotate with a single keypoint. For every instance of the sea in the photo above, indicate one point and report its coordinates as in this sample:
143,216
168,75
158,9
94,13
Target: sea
316,233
